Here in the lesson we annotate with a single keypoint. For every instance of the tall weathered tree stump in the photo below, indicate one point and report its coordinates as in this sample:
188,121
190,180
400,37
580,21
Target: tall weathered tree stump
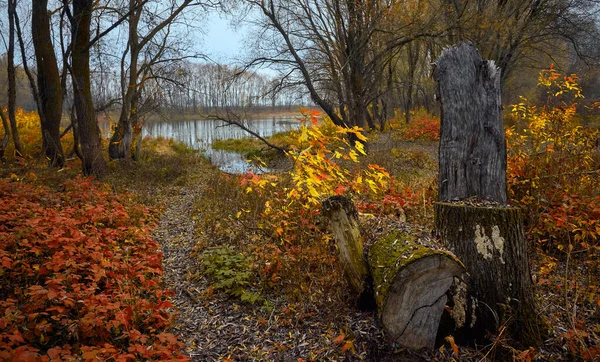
410,282
472,216
472,144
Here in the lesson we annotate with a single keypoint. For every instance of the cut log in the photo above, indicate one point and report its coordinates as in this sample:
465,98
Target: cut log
472,144
343,224
410,284
491,244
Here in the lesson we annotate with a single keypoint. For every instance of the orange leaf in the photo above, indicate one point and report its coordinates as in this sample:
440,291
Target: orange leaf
450,340
339,339
527,355
348,346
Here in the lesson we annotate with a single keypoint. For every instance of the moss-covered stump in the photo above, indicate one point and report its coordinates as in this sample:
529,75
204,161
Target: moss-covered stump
410,284
344,225
490,241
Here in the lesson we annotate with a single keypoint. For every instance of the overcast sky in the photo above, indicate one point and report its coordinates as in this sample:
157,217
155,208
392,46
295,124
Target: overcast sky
224,42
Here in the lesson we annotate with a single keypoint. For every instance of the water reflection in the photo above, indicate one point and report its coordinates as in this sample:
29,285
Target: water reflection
200,135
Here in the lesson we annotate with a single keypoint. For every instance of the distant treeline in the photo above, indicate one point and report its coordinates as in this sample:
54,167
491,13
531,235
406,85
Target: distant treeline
204,88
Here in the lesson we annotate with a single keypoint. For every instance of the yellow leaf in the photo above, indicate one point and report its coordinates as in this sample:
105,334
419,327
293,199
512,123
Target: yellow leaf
360,147
348,346
353,156
313,192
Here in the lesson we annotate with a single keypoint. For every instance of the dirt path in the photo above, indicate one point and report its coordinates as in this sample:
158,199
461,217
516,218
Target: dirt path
176,235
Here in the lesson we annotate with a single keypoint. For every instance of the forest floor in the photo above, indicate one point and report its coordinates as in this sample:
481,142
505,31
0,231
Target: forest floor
216,326
197,230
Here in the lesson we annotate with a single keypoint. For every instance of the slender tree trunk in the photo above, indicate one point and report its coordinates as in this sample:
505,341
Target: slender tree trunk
89,133
413,58
49,83
136,125
6,137
12,82
121,139
358,107
76,150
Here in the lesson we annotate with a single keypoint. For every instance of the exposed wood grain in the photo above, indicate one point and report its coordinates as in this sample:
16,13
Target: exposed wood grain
472,143
344,225
410,282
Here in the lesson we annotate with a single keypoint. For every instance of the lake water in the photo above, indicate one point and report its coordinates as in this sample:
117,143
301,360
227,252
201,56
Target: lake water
200,134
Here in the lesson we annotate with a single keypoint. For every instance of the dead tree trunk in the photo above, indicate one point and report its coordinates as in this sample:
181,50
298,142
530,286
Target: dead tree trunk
487,237
491,243
472,144
410,282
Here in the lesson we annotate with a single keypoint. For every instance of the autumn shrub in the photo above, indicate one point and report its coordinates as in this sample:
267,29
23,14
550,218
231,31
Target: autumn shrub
276,218
423,126
554,166
402,202
30,134
80,276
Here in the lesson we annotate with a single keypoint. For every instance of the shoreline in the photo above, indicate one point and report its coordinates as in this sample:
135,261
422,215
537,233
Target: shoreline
250,115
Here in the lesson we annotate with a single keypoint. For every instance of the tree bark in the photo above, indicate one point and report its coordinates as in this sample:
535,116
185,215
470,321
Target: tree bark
121,139
12,82
49,83
344,225
472,144
491,243
6,137
89,133
410,283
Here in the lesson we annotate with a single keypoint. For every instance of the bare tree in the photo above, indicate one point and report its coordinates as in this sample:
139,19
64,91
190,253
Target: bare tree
516,32
340,49
11,73
87,125
122,138
49,89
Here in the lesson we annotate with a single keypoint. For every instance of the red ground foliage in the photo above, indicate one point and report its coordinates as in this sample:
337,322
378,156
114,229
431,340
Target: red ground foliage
422,127
80,276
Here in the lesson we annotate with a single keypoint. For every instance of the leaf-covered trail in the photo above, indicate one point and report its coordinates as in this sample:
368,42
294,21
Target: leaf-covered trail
176,233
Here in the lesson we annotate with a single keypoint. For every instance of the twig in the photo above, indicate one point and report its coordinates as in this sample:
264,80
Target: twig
235,120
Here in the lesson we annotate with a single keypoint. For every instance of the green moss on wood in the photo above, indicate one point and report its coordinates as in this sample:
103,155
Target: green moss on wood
390,254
